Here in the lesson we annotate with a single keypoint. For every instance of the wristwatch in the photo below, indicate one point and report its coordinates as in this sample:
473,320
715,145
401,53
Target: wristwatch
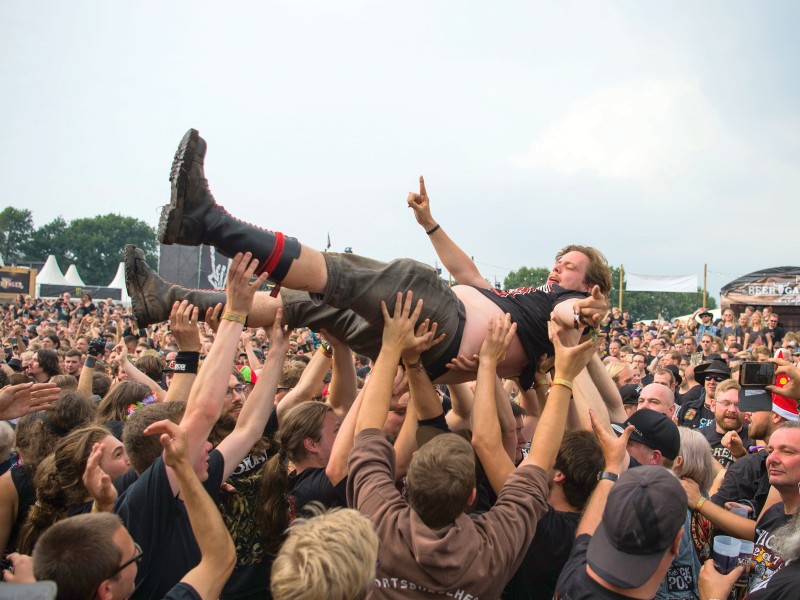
607,475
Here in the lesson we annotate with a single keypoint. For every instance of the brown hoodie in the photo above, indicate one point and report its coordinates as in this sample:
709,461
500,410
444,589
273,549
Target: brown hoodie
469,559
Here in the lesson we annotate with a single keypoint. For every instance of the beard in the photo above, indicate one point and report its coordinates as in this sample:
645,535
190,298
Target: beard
730,423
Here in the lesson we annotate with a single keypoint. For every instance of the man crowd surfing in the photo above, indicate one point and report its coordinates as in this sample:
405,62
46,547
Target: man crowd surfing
360,429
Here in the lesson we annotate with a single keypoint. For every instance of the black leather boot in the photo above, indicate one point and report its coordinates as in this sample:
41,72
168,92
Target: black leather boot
152,297
193,217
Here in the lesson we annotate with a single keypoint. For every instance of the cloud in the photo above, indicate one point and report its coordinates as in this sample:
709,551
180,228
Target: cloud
652,129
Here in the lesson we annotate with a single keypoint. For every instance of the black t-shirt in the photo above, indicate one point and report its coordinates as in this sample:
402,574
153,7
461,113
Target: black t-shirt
574,582
766,559
777,335
22,478
182,591
694,414
313,484
548,552
746,482
239,508
783,585
530,309
159,523
721,454
690,396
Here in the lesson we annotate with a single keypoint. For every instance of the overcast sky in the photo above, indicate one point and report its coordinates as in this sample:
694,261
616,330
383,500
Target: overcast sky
667,134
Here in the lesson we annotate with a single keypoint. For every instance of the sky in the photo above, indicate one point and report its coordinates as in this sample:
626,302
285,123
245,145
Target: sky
666,134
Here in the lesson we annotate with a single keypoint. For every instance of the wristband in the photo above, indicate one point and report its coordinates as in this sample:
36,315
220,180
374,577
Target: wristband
235,317
433,230
89,362
612,477
417,365
700,503
185,362
566,383
326,349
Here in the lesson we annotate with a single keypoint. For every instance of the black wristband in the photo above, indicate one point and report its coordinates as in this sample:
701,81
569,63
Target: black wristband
89,362
185,362
433,230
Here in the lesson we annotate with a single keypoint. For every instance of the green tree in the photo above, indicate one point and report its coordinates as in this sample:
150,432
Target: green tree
526,277
16,228
49,239
96,244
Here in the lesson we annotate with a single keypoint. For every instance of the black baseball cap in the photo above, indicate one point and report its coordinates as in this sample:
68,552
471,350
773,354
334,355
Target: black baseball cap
630,393
655,430
644,512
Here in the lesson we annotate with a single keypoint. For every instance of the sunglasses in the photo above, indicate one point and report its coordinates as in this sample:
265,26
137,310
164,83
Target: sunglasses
137,557
717,378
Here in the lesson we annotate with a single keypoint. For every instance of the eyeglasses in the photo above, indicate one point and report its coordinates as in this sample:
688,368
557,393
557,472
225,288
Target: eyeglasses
717,378
728,404
239,389
137,557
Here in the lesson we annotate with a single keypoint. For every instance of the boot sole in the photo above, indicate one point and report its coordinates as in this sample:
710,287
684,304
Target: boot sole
134,289
169,225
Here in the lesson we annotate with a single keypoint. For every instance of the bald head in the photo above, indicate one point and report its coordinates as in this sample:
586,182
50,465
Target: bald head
659,398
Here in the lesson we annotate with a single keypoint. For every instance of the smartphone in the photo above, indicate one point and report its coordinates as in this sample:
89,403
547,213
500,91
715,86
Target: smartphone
756,374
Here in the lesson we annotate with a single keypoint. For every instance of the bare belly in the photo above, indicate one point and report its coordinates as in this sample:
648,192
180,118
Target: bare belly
479,311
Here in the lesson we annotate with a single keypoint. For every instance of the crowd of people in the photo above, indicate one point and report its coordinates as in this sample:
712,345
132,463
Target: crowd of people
365,430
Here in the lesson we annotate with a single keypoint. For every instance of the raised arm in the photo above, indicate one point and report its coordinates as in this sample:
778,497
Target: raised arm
486,433
398,335
570,361
309,384
217,553
135,374
256,410
247,344
184,326
208,394
454,259
615,454
343,389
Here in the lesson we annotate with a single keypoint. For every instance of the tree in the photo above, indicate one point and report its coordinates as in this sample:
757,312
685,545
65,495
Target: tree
49,239
526,277
96,245
16,228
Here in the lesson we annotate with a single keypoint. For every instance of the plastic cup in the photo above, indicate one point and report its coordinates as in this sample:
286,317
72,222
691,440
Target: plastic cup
745,556
726,553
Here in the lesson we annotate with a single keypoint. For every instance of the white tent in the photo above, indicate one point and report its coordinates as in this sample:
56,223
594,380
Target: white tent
50,275
119,283
73,278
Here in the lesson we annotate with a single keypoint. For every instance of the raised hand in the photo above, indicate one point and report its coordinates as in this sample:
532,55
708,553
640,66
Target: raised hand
278,338
213,313
25,398
241,290
411,355
614,448
571,360
499,334
421,205
792,388
97,482
183,324
174,441
591,309
398,328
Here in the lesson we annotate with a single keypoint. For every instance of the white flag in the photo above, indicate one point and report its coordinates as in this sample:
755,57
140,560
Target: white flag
654,283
